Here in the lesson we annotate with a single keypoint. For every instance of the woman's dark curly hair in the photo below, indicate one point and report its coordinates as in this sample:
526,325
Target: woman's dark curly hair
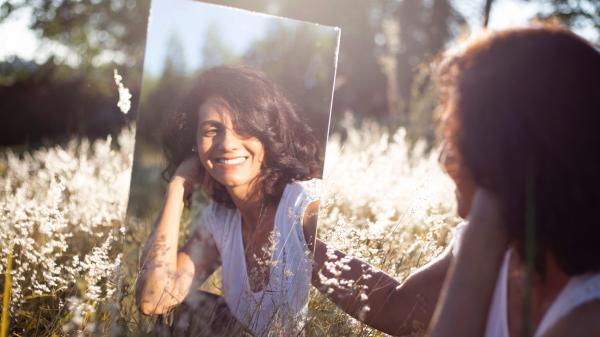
523,114
259,108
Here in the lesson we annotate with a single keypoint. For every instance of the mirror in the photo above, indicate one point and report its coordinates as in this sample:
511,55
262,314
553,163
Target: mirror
232,123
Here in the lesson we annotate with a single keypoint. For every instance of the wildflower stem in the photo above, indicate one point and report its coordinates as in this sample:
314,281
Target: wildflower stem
6,296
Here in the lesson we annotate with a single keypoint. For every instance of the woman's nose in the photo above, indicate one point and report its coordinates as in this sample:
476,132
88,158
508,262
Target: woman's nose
230,141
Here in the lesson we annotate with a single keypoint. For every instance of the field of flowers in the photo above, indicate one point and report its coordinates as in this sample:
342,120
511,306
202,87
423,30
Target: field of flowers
385,201
61,211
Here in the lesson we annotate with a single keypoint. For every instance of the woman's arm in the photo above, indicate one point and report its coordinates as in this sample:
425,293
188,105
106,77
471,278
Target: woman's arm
371,295
167,274
473,274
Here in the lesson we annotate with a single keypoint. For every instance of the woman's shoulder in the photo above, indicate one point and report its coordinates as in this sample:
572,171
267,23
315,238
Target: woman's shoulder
577,306
305,188
299,194
581,321
214,216
301,198
220,211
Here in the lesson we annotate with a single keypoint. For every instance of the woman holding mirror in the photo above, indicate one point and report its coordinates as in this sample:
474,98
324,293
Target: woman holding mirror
522,145
523,110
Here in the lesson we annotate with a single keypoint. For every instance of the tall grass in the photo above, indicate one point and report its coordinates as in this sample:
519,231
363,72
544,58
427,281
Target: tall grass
61,211
385,200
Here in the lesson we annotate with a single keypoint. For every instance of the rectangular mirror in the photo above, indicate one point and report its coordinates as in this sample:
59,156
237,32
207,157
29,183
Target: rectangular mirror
230,142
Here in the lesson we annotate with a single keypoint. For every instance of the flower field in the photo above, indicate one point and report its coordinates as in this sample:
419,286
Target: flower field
61,211
385,200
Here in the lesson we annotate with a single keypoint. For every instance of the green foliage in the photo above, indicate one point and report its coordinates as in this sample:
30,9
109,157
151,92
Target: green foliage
214,51
575,14
300,58
49,103
89,27
114,30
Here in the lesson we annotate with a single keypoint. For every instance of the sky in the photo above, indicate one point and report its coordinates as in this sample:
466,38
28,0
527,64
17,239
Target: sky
189,22
17,39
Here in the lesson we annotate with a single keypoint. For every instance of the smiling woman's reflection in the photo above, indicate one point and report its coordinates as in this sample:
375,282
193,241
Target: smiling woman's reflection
237,137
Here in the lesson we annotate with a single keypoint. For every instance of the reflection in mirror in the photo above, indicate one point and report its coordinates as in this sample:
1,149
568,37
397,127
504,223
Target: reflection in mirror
226,178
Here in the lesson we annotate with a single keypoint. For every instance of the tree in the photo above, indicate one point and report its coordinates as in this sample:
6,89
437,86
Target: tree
300,59
214,51
362,82
91,29
575,14
175,63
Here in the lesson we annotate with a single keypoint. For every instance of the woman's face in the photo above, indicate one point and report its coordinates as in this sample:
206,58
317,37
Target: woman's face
465,187
231,159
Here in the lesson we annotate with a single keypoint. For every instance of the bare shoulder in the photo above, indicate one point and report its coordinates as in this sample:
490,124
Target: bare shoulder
583,321
309,223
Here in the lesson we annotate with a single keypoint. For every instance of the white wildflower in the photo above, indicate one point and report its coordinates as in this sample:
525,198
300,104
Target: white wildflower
124,103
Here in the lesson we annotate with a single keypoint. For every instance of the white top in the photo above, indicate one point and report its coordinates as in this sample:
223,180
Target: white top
282,304
579,290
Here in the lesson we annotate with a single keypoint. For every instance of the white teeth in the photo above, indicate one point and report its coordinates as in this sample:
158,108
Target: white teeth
233,161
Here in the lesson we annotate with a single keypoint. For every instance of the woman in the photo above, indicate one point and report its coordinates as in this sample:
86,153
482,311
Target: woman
523,110
523,147
240,139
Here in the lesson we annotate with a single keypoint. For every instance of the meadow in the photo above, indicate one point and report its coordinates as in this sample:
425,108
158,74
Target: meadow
385,200
61,222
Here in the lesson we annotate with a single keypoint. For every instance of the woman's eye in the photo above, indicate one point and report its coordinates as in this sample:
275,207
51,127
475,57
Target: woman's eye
210,132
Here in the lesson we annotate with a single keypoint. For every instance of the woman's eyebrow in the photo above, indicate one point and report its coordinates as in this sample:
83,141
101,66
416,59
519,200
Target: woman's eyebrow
210,122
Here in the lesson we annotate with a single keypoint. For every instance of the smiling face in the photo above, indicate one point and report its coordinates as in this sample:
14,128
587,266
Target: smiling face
231,159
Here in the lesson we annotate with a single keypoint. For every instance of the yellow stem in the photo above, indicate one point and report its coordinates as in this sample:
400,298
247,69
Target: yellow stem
6,296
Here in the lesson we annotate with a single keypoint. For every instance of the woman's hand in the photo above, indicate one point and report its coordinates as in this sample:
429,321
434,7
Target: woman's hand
485,214
188,174
474,272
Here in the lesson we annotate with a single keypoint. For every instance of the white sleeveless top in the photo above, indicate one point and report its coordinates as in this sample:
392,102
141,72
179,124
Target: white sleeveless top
281,306
579,290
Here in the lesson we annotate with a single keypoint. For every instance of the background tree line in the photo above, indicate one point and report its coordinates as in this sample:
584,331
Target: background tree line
382,72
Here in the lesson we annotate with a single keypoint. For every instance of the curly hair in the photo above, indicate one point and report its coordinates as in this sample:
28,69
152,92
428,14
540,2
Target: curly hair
259,108
522,113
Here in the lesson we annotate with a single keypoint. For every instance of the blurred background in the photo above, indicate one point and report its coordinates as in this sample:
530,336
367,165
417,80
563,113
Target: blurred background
66,149
56,57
